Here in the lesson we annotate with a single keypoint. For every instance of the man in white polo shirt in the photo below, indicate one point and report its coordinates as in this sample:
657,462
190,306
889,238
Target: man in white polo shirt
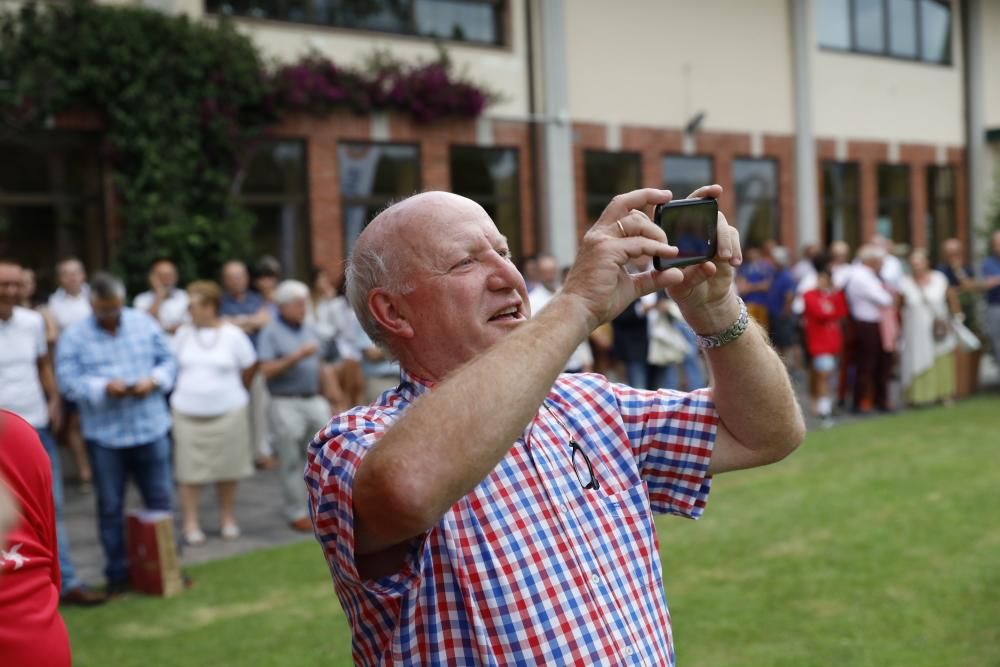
71,302
163,300
28,388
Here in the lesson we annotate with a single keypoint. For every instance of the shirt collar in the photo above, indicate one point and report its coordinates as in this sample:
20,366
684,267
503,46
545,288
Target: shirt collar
412,384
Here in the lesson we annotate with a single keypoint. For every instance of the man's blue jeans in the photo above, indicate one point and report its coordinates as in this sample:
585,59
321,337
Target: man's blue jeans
149,466
66,570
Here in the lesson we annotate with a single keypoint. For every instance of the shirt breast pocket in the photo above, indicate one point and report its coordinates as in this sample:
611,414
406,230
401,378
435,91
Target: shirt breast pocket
623,534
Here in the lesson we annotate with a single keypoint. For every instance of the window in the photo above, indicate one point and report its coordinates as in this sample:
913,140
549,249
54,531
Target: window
902,36
682,174
935,31
489,176
909,29
371,176
894,203
756,186
477,21
274,189
940,209
51,203
606,175
869,25
834,23
841,219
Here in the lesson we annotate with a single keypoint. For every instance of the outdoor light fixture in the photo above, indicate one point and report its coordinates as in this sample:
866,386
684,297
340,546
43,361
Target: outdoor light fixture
695,123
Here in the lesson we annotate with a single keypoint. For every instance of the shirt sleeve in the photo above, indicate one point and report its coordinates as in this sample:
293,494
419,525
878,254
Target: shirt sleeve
164,364
333,459
143,302
246,356
266,350
73,382
672,434
41,337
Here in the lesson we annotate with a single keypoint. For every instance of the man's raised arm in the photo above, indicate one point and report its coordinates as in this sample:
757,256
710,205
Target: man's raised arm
451,438
761,421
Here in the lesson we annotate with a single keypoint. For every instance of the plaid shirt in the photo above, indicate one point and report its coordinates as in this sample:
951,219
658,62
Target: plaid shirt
529,568
88,357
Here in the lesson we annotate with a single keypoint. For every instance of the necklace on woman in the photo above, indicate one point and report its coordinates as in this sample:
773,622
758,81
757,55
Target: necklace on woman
213,337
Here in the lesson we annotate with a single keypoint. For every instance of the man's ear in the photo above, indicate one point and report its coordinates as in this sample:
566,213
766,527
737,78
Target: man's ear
384,307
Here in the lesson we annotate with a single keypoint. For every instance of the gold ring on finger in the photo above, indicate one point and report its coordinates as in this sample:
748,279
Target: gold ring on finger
621,228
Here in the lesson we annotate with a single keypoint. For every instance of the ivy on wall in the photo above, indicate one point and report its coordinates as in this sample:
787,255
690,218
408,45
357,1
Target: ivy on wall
180,102
176,98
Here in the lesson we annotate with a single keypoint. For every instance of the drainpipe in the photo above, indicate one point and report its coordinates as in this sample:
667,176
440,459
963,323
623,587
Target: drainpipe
806,196
977,189
557,174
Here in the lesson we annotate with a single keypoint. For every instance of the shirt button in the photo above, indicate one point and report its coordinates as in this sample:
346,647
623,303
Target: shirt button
564,508
595,579
629,651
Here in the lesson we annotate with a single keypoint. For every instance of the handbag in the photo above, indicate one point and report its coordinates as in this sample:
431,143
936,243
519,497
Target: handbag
940,327
667,345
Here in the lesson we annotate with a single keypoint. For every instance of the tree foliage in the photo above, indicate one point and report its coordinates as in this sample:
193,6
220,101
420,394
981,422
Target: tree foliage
177,99
181,102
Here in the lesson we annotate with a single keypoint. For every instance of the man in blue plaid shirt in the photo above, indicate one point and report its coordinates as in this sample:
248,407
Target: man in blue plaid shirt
117,366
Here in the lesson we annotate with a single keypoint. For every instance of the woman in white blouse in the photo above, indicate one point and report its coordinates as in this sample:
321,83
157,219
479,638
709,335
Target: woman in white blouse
216,362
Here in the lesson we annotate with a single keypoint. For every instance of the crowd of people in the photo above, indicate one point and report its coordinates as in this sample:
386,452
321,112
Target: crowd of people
844,325
202,386
190,387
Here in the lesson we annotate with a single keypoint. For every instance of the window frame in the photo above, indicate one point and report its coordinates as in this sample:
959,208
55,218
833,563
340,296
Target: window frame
514,199
776,198
501,13
906,202
370,201
279,199
933,200
841,201
592,199
57,144
707,157
886,51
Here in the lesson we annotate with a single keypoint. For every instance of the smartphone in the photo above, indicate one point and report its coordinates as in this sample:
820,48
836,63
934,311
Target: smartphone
693,226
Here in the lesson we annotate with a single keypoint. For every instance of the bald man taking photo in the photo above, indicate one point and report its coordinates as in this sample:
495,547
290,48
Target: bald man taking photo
490,510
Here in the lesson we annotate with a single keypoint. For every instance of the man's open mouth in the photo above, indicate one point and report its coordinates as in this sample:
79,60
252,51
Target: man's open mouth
511,313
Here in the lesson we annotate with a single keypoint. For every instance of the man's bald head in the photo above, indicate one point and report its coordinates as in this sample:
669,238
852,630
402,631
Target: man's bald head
393,245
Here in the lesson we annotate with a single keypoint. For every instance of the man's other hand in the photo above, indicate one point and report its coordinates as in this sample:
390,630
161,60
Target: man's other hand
706,295
143,388
307,350
117,388
623,233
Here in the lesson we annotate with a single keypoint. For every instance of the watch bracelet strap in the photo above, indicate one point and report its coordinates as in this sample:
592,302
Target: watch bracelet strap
734,331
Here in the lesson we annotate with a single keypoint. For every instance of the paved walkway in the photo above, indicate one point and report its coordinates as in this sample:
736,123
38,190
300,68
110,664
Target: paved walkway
258,512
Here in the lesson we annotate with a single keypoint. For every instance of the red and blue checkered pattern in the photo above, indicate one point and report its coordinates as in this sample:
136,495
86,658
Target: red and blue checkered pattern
529,568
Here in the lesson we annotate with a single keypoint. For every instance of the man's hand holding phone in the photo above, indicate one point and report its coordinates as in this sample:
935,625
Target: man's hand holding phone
117,388
706,295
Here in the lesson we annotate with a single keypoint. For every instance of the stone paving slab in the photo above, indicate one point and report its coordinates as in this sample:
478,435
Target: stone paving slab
258,510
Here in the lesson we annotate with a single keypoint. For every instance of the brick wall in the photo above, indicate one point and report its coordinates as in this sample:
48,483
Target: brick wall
323,134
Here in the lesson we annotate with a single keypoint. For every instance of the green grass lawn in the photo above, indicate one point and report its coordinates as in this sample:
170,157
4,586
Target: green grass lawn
876,544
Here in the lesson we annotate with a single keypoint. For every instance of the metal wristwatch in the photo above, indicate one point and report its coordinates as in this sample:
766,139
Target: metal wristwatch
734,331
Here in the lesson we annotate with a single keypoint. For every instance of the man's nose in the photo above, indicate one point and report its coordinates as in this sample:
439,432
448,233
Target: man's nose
503,274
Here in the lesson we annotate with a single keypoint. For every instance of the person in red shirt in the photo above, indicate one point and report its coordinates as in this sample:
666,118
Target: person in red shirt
32,632
824,312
